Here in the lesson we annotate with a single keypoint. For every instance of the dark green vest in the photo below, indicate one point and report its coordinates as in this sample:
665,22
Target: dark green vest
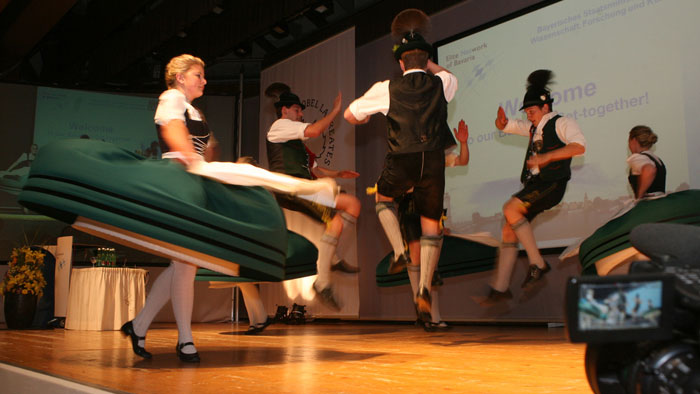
289,158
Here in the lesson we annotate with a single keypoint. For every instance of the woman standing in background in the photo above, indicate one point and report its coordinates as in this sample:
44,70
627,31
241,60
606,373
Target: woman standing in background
647,171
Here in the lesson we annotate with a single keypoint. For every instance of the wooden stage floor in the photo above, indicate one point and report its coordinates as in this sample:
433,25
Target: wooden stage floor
345,357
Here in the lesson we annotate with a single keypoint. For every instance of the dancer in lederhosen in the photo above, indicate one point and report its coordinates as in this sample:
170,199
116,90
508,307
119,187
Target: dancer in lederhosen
287,154
415,106
554,141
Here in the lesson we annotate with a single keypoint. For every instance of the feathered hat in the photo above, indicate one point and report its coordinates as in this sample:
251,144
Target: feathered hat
538,92
283,95
409,29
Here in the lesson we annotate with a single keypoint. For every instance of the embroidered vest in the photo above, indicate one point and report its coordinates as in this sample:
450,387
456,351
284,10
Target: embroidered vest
556,170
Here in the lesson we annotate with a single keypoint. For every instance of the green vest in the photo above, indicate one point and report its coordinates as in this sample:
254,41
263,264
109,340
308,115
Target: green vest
289,158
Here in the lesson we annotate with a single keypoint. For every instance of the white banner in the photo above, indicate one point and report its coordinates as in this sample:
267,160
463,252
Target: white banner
316,76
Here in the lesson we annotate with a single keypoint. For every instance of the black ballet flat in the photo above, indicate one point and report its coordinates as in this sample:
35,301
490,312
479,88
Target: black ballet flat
128,330
257,329
186,357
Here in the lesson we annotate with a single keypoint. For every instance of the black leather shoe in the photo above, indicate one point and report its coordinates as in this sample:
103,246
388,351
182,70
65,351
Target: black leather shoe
423,304
399,264
128,330
496,296
258,328
535,273
186,357
437,279
342,266
432,327
427,326
326,297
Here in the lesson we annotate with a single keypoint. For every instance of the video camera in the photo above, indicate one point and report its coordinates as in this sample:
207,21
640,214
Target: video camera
642,330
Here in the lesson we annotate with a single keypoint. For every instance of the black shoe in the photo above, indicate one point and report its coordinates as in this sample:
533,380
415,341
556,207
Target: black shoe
281,314
258,328
399,264
535,273
186,357
427,326
128,330
342,266
437,279
496,296
326,297
432,327
423,304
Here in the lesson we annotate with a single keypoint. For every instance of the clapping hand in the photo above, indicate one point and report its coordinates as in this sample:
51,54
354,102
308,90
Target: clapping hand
462,131
501,119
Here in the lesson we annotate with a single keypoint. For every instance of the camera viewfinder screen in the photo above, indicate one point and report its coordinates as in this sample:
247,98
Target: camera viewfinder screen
620,306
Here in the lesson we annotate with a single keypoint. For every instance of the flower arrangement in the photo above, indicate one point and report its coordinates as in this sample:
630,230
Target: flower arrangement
24,275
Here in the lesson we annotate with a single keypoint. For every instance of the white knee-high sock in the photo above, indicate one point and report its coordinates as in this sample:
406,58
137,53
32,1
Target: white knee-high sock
523,230
349,223
507,254
390,224
326,251
414,278
253,303
157,298
430,247
182,297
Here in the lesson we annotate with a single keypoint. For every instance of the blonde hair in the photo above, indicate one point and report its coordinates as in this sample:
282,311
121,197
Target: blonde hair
644,136
180,64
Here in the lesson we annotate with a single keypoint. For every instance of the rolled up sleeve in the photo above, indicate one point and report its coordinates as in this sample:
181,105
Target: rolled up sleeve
375,100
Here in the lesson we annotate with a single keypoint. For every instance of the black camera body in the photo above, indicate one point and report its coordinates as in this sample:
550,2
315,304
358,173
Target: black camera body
642,330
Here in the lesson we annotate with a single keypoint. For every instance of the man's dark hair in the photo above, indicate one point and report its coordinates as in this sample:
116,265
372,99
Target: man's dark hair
415,58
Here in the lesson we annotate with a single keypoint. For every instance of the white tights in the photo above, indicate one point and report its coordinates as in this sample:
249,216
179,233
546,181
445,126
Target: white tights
176,284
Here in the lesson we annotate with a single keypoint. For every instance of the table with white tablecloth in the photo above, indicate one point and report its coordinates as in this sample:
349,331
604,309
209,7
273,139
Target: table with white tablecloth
104,298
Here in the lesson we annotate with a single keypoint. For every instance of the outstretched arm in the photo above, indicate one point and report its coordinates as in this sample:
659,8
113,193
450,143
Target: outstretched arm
375,100
317,128
462,133
352,119
322,172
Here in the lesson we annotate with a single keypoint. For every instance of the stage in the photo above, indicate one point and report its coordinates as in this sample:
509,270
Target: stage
318,357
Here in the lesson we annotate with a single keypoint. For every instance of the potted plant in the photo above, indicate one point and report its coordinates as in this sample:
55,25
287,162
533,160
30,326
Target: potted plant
22,286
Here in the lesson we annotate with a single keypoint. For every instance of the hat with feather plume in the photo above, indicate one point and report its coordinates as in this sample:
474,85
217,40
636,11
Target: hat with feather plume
538,92
408,30
283,95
